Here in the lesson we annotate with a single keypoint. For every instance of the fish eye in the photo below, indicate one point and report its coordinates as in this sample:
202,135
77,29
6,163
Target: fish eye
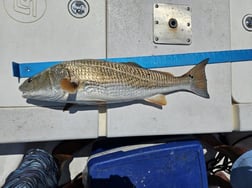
29,80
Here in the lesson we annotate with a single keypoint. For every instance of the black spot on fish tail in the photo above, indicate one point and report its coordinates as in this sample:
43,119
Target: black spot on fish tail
191,76
198,79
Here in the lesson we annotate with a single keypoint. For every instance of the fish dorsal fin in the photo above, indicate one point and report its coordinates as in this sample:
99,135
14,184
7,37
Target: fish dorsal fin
169,74
158,99
133,64
162,72
68,86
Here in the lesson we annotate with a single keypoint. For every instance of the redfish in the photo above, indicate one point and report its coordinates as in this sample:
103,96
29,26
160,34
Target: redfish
99,82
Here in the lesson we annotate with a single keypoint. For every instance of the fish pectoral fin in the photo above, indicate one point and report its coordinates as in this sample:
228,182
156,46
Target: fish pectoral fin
157,99
67,106
69,86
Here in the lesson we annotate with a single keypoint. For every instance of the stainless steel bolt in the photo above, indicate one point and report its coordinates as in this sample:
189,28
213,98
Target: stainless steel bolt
247,22
27,69
78,8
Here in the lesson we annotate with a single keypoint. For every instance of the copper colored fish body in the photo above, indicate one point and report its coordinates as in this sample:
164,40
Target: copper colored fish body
96,81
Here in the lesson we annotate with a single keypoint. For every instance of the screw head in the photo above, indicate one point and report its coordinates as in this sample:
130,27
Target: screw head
27,69
78,8
247,22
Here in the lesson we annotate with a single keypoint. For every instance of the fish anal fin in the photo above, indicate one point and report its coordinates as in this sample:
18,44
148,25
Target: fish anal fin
157,99
68,86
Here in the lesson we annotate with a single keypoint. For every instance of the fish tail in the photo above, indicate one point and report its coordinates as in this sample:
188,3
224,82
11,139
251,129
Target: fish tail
198,79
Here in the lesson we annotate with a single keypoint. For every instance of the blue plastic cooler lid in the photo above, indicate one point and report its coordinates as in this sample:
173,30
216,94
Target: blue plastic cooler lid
176,164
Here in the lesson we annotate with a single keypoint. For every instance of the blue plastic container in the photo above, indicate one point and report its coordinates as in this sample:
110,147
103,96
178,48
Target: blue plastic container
241,174
173,165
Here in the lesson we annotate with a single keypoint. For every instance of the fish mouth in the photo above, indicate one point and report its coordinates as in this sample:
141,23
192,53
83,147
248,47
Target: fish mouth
25,95
21,87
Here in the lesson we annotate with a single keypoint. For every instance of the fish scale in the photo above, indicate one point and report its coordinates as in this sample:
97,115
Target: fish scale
104,72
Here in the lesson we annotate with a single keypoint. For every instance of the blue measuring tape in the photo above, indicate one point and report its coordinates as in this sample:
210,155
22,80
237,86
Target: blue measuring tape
23,70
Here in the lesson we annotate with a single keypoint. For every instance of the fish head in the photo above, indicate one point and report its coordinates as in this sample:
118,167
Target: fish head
42,86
